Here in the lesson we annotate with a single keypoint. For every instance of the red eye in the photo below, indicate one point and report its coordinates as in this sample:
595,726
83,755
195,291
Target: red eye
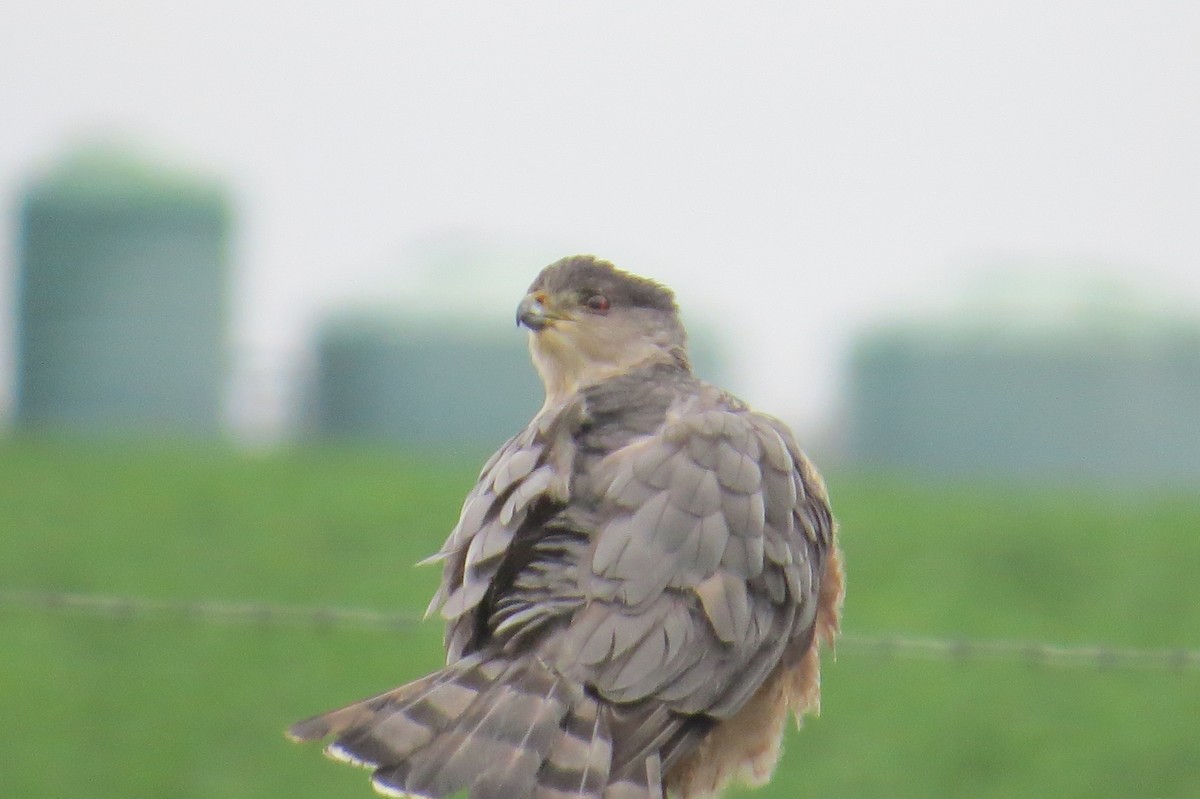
598,303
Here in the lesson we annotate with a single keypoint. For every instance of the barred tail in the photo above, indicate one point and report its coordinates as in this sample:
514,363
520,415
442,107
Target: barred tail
504,729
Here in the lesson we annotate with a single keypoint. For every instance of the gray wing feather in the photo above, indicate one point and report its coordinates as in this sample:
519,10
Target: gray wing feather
528,467
723,597
698,563
678,562
691,576
736,471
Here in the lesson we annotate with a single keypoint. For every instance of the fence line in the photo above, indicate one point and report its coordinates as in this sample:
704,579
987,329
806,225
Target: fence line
964,650
264,614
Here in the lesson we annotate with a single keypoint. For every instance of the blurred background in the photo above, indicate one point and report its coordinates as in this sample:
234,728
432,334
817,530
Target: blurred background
257,280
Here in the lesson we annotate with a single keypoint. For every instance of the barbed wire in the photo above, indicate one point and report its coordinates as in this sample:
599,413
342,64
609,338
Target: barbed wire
264,614
267,614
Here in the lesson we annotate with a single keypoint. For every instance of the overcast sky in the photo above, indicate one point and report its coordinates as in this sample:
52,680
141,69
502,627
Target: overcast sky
794,170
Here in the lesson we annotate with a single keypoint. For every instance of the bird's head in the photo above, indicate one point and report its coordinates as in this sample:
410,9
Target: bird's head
589,321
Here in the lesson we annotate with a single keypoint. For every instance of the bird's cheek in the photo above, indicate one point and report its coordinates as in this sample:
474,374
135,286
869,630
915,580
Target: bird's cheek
549,342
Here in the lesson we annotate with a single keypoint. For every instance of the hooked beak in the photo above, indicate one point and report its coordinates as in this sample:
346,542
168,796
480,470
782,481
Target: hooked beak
533,313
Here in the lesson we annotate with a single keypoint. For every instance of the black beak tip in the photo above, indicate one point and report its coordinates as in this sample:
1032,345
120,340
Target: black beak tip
531,320
531,314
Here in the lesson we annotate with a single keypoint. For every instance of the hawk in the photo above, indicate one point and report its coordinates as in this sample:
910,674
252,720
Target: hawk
636,590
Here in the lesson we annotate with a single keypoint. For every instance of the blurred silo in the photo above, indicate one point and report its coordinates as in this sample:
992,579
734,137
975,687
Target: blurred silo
393,381
1102,391
396,380
122,299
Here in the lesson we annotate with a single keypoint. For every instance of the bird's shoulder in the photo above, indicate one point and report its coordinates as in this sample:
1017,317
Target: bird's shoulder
661,408
644,403
707,532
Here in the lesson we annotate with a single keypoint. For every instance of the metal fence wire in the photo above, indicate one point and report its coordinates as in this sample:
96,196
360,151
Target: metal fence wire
265,614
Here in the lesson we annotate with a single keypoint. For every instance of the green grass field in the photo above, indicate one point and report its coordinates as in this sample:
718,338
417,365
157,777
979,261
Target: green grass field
167,706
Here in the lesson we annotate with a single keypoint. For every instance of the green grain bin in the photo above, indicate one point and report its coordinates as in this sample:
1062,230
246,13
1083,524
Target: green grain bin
122,300
431,383
400,382
1109,394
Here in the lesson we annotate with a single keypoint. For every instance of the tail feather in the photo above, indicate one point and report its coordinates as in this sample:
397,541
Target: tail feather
501,728
518,773
337,721
578,764
386,728
643,781
498,744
